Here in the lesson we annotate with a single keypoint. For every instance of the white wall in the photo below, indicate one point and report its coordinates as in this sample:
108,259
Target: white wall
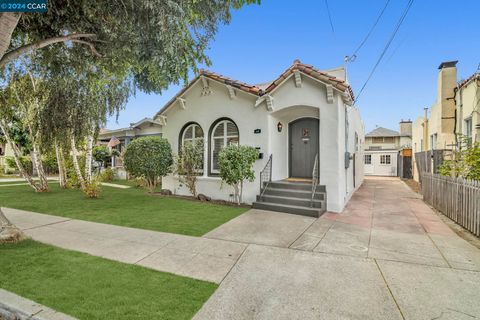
357,151
378,169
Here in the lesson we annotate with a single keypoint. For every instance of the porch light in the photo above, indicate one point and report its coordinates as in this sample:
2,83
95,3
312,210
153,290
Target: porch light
279,127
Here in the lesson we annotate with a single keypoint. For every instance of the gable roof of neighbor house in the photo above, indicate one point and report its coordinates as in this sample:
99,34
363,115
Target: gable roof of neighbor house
265,88
382,132
132,126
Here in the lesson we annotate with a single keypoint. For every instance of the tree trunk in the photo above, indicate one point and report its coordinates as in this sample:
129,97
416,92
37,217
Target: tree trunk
8,23
16,156
88,159
37,162
8,232
241,193
236,197
62,173
76,165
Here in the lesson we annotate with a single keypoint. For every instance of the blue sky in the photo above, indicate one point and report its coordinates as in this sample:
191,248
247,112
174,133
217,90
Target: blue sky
262,41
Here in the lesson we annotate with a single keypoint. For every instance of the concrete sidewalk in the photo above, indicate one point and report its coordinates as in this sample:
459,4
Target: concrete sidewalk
199,258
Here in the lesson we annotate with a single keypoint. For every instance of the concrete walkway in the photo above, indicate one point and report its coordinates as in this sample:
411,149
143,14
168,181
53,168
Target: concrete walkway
387,256
115,185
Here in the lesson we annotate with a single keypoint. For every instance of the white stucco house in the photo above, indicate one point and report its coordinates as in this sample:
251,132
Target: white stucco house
303,115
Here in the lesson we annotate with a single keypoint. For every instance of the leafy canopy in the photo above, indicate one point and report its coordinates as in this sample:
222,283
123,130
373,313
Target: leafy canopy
155,43
236,164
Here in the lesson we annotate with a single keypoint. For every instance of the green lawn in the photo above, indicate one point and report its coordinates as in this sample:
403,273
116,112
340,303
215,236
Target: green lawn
88,287
131,207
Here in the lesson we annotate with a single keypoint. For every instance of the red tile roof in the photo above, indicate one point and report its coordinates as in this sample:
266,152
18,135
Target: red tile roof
474,76
256,90
234,83
313,72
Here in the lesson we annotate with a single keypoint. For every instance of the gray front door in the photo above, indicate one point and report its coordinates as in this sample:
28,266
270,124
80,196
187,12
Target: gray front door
303,141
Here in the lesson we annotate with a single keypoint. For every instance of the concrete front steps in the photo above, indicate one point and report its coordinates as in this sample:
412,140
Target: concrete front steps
292,197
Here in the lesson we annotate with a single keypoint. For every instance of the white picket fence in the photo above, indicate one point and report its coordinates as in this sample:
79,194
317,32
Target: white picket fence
457,198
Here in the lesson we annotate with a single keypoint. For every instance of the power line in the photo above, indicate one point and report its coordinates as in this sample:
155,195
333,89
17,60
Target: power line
354,54
329,16
397,27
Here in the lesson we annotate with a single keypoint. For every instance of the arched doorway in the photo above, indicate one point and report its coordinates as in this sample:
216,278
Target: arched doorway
303,146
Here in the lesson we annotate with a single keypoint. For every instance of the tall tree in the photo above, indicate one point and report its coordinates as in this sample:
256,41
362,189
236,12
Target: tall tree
20,108
155,42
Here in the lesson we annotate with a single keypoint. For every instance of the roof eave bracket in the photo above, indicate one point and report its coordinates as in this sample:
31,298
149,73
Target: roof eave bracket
206,91
231,92
329,93
183,103
298,78
268,99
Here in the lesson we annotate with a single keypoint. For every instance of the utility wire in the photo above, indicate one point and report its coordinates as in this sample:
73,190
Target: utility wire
329,16
354,54
392,37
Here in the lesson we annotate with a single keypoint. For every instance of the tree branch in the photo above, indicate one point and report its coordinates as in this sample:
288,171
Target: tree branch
91,45
15,53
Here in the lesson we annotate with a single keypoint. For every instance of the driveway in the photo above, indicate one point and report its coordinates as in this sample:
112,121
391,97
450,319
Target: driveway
387,256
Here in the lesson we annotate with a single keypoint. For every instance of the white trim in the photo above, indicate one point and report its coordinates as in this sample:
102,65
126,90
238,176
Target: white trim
194,137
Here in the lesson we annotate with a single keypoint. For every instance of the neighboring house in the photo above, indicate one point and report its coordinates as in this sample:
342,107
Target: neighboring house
467,98
5,151
455,113
303,113
119,138
383,148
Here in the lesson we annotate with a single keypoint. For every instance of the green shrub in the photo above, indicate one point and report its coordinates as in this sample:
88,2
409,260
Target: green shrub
189,165
107,175
24,160
49,162
236,166
466,163
149,158
92,189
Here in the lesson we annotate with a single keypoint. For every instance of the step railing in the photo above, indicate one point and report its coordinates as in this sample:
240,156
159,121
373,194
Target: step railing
315,179
266,176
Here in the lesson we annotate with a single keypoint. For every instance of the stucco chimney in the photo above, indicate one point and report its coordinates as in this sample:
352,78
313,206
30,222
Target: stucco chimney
406,127
447,81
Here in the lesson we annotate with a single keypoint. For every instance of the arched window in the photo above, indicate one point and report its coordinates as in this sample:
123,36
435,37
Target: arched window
191,133
223,133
